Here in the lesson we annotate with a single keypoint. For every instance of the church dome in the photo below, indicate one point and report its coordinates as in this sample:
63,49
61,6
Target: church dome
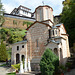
43,13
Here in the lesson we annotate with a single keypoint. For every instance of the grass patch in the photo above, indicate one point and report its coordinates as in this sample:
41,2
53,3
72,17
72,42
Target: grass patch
11,73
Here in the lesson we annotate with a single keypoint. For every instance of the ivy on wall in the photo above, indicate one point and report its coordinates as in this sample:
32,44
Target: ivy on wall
14,22
27,23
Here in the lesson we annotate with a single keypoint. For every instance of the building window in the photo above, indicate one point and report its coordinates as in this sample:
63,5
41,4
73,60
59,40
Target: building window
49,33
53,32
37,43
40,14
46,13
56,31
27,13
23,11
17,47
22,46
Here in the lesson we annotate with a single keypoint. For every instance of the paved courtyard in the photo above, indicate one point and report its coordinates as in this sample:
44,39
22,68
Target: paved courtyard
3,70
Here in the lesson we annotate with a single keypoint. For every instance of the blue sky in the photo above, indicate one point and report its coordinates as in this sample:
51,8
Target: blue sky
9,5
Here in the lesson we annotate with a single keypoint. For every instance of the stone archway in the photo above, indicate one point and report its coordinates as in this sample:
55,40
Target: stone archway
17,58
56,51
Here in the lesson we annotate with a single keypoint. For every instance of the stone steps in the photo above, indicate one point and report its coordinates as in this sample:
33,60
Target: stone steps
25,74
72,61
29,73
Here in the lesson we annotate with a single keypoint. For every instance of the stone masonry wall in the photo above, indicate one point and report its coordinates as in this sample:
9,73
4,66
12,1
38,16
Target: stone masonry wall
35,52
9,23
36,32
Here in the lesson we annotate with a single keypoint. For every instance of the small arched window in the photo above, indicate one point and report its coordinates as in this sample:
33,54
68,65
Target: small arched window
53,32
49,33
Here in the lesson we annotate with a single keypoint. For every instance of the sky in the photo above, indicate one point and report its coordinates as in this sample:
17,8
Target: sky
9,5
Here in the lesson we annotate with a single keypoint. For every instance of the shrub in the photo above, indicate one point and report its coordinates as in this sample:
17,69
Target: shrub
48,63
62,68
16,66
68,64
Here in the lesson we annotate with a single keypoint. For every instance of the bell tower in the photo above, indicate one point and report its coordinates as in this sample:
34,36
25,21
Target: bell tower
43,13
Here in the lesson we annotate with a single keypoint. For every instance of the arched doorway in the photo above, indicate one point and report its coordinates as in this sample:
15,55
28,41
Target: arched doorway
17,58
56,51
23,57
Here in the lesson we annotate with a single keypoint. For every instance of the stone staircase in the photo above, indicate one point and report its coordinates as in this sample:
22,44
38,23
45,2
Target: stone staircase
72,60
30,73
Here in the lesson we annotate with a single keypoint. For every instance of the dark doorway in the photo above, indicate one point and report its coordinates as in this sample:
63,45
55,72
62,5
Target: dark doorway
17,58
23,57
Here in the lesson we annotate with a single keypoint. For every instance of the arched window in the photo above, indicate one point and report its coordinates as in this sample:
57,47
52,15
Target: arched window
17,48
17,58
56,32
49,33
56,51
53,32
61,56
23,57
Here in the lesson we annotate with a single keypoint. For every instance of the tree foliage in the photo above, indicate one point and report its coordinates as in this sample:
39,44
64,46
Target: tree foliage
12,35
49,63
68,18
1,13
3,52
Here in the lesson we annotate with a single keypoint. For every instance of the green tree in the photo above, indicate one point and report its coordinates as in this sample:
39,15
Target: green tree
3,36
3,52
1,14
48,63
68,18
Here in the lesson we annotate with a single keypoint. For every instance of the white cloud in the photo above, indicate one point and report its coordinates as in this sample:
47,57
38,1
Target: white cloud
32,4
8,8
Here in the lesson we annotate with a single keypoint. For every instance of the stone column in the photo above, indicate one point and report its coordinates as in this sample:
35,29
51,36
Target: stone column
20,58
25,65
25,62
59,53
14,58
29,66
21,68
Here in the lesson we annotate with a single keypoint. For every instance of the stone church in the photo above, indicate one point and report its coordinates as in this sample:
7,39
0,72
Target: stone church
40,35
